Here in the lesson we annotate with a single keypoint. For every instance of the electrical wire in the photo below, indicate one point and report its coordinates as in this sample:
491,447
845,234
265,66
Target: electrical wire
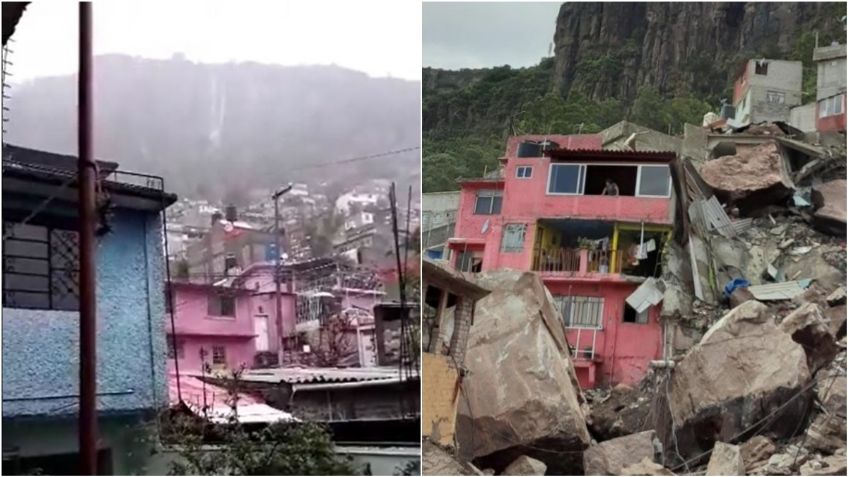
356,159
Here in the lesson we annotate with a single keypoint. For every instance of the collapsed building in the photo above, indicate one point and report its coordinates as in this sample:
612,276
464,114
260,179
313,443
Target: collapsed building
700,309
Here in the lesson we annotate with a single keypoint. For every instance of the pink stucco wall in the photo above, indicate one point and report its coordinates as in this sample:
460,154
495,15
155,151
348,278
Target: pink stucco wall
195,328
623,350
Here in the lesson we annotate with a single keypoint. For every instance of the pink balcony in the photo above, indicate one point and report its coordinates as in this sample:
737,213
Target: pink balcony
573,262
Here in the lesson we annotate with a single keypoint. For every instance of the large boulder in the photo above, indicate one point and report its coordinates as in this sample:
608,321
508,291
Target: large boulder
829,199
754,178
521,392
811,330
612,456
725,459
742,370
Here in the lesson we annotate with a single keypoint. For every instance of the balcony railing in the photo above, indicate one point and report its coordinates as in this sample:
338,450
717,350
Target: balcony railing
570,260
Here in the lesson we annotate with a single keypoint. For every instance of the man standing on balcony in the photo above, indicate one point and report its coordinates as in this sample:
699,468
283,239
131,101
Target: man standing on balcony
611,188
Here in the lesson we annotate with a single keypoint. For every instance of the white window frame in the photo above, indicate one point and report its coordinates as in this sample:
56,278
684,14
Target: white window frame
777,95
528,172
639,181
494,193
581,177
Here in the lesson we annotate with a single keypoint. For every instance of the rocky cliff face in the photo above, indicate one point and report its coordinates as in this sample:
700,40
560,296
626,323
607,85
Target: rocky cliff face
611,49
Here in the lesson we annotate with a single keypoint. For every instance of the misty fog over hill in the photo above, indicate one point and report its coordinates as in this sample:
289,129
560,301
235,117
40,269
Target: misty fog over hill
215,129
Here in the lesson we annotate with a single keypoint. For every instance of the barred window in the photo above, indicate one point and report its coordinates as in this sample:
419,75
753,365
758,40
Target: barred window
581,311
40,267
513,237
219,355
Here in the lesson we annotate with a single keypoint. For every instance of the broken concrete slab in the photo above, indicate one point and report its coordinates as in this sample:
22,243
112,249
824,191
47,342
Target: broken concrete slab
438,461
826,434
753,178
646,467
830,465
835,316
725,459
829,199
513,398
757,451
837,297
525,466
743,368
612,456
809,328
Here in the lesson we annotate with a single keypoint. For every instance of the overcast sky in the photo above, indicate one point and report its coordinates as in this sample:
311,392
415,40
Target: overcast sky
478,35
378,37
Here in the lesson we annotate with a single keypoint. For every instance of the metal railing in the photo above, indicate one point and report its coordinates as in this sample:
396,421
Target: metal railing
569,260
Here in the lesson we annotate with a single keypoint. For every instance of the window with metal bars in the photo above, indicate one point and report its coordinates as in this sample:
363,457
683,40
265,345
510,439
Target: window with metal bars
40,267
581,311
219,355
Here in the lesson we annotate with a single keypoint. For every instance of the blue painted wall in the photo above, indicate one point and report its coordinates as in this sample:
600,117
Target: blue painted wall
41,347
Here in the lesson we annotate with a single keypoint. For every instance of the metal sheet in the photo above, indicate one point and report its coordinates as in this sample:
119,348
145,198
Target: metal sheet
646,295
779,291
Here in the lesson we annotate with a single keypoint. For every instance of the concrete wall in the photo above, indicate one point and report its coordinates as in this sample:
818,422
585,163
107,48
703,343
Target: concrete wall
130,441
625,349
803,117
763,110
831,72
438,208
41,347
750,89
440,399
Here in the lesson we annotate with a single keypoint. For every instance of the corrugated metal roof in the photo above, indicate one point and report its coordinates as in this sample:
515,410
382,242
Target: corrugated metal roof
779,291
646,295
318,375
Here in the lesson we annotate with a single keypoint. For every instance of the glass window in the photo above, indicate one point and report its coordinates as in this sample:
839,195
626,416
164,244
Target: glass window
221,305
654,181
775,97
219,355
40,267
513,237
565,179
581,311
488,202
524,172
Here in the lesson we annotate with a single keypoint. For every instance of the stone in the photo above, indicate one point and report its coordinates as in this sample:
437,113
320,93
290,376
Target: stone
513,397
752,179
646,467
437,461
610,457
740,296
830,465
756,450
829,200
835,317
743,368
809,328
725,459
525,466
826,434
837,297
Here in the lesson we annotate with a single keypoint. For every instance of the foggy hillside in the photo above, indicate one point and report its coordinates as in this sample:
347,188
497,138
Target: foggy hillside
212,129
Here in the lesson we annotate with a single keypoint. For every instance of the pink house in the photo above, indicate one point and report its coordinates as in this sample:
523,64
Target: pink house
223,326
548,214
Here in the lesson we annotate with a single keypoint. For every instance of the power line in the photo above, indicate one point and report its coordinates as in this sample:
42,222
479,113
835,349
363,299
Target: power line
357,159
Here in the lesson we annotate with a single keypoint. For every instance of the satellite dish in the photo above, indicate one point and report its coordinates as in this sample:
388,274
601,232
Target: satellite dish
485,227
228,227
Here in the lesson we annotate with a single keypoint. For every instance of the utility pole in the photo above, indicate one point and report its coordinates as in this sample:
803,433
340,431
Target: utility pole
87,299
278,318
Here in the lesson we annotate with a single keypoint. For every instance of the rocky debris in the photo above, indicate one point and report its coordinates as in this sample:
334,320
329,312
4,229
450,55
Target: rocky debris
520,396
809,328
831,465
740,296
438,461
835,317
610,457
620,411
525,466
829,199
837,297
725,459
743,370
646,467
826,433
757,451
752,178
